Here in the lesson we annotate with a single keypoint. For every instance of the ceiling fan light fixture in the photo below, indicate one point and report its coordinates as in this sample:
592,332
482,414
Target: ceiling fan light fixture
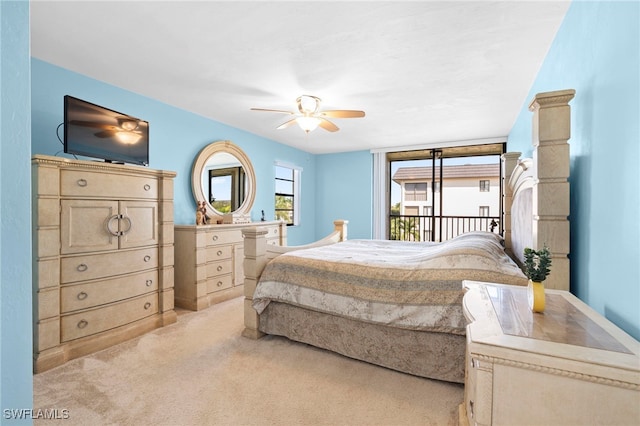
308,104
308,124
309,116
128,124
128,138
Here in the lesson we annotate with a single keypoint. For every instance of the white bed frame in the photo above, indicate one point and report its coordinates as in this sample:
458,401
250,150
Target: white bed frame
536,201
536,196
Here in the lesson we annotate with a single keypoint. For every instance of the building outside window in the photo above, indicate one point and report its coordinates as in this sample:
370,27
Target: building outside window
415,191
455,206
287,194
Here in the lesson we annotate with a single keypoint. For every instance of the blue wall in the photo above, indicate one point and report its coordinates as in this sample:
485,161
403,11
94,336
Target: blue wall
596,52
16,387
344,191
176,137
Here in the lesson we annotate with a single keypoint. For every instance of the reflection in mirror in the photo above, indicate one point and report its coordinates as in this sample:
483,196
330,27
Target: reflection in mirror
225,181
223,178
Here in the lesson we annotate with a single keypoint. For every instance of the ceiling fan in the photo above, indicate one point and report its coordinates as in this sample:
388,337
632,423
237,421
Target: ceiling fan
126,130
309,116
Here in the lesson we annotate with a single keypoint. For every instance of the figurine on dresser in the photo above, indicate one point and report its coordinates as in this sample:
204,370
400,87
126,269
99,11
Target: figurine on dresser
201,214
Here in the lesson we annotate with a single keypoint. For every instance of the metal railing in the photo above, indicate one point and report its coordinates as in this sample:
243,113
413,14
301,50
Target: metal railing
438,228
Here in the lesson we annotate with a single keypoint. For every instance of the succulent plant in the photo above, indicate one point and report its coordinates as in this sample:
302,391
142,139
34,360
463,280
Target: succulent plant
537,263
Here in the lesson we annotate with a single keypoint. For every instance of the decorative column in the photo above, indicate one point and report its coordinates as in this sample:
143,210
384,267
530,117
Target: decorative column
509,163
166,248
255,259
551,132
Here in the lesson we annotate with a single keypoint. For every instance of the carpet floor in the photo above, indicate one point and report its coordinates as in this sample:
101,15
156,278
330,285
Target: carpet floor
201,371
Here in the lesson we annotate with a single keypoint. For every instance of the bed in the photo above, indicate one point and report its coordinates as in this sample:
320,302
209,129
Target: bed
399,304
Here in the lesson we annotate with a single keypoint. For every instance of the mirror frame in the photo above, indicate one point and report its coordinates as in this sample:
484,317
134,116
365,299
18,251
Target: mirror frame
199,193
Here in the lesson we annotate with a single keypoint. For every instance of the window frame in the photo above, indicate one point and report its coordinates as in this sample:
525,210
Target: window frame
296,173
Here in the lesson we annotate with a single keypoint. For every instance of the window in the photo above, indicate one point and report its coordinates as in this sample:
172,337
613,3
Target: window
436,186
484,186
415,191
411,211
287,194
484,211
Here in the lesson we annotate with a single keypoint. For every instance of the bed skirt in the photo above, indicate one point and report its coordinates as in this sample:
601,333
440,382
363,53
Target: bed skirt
427,354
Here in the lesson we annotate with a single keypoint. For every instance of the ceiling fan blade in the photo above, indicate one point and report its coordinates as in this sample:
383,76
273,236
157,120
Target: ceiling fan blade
327,125
286,124
272,110
343,113
91,124
106,134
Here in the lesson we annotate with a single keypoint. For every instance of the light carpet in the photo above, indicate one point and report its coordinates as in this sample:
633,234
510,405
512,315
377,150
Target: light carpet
201,371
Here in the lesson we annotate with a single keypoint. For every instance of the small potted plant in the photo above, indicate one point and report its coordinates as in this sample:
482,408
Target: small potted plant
536,268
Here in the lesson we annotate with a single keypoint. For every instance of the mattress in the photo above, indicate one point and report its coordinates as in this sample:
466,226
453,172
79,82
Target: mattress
408,285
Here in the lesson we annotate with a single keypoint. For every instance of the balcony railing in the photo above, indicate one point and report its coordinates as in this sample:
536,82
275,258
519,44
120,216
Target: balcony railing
438,228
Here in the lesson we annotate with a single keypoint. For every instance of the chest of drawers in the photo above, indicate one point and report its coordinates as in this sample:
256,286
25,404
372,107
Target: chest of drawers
209,261
103,241
566,366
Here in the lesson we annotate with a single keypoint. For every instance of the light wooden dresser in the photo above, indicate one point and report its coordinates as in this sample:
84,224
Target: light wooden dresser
209,261
103,255
566,366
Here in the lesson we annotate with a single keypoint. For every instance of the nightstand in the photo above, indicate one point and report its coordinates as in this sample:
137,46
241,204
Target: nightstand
566,366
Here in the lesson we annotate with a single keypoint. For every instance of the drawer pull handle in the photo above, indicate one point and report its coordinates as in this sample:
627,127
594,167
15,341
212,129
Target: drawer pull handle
215,238
219,284
82,267
147,258
219,253
128,219
219,268
82,182
147,187
110,230
116,217
147,305
82,295
149,282
83,323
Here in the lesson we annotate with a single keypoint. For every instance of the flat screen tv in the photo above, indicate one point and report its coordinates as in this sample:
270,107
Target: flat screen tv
94,131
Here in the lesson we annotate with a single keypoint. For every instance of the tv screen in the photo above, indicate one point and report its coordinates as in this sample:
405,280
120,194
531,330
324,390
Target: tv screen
98,132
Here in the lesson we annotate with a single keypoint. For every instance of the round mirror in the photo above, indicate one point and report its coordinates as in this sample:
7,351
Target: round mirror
223,177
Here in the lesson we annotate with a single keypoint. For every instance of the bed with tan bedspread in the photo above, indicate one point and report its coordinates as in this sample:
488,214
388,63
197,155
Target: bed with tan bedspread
408,296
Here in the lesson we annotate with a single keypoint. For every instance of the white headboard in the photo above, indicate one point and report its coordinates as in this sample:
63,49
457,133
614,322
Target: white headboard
521,185
536,190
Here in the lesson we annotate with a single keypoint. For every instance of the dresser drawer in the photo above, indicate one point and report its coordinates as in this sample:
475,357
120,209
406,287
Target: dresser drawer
219,283
79,183
94,321
90,267
226,236
88,295
223,267
218,253
274,232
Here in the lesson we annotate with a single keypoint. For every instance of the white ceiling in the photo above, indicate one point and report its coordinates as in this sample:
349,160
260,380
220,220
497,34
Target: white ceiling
425,72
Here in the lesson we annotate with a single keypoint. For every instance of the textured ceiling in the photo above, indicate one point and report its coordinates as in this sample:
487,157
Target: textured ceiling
425,72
